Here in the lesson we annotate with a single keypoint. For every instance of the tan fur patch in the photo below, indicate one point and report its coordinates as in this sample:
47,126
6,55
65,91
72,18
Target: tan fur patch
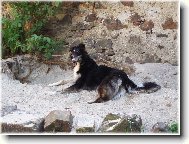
76,69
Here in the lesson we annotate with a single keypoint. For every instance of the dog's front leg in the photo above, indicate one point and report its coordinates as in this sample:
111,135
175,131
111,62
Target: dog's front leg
75,87
72,88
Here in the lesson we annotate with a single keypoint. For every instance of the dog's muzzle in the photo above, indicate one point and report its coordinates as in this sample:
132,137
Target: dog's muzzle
76,59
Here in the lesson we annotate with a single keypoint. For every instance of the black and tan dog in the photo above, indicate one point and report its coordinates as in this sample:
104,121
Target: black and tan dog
107,80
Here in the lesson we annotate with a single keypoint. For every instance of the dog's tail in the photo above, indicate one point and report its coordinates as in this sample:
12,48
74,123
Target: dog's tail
148,87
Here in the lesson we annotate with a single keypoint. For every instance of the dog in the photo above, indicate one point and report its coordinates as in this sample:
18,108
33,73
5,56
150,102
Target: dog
90,76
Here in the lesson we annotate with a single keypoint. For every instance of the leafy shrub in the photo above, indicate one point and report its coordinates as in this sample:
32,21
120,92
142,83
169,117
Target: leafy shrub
22,25
173,128
41,44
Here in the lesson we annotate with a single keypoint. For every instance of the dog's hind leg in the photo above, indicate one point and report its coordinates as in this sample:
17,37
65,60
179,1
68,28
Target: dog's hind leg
105,91
98,100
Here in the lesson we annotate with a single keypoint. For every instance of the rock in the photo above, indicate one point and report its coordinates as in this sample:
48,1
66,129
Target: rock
10,68
85,130
162,35
21,121
103,33
169,24
60,16
81,26
103,44
175,36
90,43
113,24
90,26
134,39
114,34
78,34
147,25
75,43
8,109
85,124
98,5
66,20
151,58
33,126
160,127
115,123
110,52
18,67
91,17
14,128
128,60
128,3
160,47
73,28
70,34
135,19
58,121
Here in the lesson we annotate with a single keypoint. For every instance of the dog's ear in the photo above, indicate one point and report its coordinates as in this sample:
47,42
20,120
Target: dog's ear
81,46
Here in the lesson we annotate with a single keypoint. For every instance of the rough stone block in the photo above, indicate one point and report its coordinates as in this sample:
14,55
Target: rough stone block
19,122
91,17
128,3
115,123
160,127
147,25
85,124
135,19
169,24
8,109
58,121
113,24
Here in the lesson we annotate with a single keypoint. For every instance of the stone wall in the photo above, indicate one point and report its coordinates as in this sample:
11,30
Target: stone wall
121,32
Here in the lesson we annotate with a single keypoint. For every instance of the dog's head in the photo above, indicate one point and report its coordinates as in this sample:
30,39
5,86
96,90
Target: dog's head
77,52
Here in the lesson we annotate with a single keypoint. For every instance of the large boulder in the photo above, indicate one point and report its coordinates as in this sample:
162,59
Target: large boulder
19,67
58,121
126,124
169,24
85,124
8,109
21,121
160,127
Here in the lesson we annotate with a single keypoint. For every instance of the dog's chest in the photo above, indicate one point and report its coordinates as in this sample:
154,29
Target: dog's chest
75,70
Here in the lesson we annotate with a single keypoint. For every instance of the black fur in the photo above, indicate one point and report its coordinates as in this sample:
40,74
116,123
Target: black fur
92,75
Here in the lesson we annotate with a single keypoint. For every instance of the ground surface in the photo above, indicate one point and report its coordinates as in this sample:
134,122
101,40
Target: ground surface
35,99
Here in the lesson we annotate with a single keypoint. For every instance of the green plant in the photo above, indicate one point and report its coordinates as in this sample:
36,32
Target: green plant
41,44
23,23
173,127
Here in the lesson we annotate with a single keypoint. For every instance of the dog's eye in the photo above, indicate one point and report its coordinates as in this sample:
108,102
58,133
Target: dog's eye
76,50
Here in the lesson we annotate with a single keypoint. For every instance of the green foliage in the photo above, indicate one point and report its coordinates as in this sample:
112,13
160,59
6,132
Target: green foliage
173,127
22,25
41,44
12,34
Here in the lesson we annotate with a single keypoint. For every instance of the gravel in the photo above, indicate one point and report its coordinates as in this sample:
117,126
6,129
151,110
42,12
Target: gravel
36,99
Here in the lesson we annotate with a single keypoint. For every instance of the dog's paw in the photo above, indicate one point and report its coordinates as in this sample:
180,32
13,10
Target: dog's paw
65,91
51,85
69,90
